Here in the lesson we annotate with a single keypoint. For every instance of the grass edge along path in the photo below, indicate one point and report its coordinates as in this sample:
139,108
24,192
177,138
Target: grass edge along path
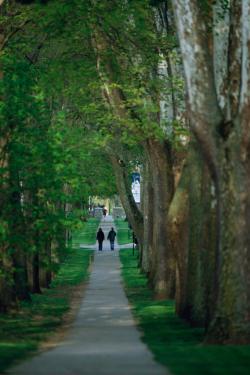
22,333
86,233
124,234
172,341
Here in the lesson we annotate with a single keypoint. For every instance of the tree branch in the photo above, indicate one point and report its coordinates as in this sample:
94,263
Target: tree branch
33,57
206,116
12,33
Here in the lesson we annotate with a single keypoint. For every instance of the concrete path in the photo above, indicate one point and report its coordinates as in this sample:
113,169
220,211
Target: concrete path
106,225
103,340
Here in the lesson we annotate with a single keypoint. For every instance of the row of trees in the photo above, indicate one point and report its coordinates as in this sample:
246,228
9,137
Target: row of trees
164,86
47,172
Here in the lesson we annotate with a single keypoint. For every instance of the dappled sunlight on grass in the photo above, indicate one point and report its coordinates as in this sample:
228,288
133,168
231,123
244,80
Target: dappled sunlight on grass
173,342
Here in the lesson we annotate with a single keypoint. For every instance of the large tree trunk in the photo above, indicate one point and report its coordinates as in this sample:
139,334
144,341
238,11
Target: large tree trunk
192,236
200,266
179,238
163,269
220,121
231,320
148,214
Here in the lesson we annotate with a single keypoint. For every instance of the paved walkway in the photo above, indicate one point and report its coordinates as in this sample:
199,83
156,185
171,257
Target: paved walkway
103,339
106,225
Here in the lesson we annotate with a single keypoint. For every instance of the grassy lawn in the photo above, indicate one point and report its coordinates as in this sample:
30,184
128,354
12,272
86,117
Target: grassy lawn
22,332
124,234
86,234
173,342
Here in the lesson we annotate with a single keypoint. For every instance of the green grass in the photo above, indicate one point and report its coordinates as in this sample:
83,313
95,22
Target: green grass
173,342
22,332
86,234
124,234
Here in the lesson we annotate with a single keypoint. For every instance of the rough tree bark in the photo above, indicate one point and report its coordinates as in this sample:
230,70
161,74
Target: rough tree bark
162,267
179,238
220,121
148,214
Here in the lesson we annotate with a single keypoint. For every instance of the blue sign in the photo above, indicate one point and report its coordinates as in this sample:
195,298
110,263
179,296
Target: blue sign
136,177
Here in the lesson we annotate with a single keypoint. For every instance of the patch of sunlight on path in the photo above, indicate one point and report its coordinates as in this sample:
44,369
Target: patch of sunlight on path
103,339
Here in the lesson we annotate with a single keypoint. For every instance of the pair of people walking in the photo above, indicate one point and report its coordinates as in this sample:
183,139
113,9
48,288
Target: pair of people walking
101,237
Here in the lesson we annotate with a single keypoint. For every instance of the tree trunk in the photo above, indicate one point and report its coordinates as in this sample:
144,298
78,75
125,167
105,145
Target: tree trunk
148,214
220,122
162,274
6,279
36,273
231,321
6,274
49,261
45,275
133,213
6,266
16,232
199,244
179,232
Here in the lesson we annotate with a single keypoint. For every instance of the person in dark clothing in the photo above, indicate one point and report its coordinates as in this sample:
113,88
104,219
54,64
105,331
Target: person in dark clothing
100,237
111,238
